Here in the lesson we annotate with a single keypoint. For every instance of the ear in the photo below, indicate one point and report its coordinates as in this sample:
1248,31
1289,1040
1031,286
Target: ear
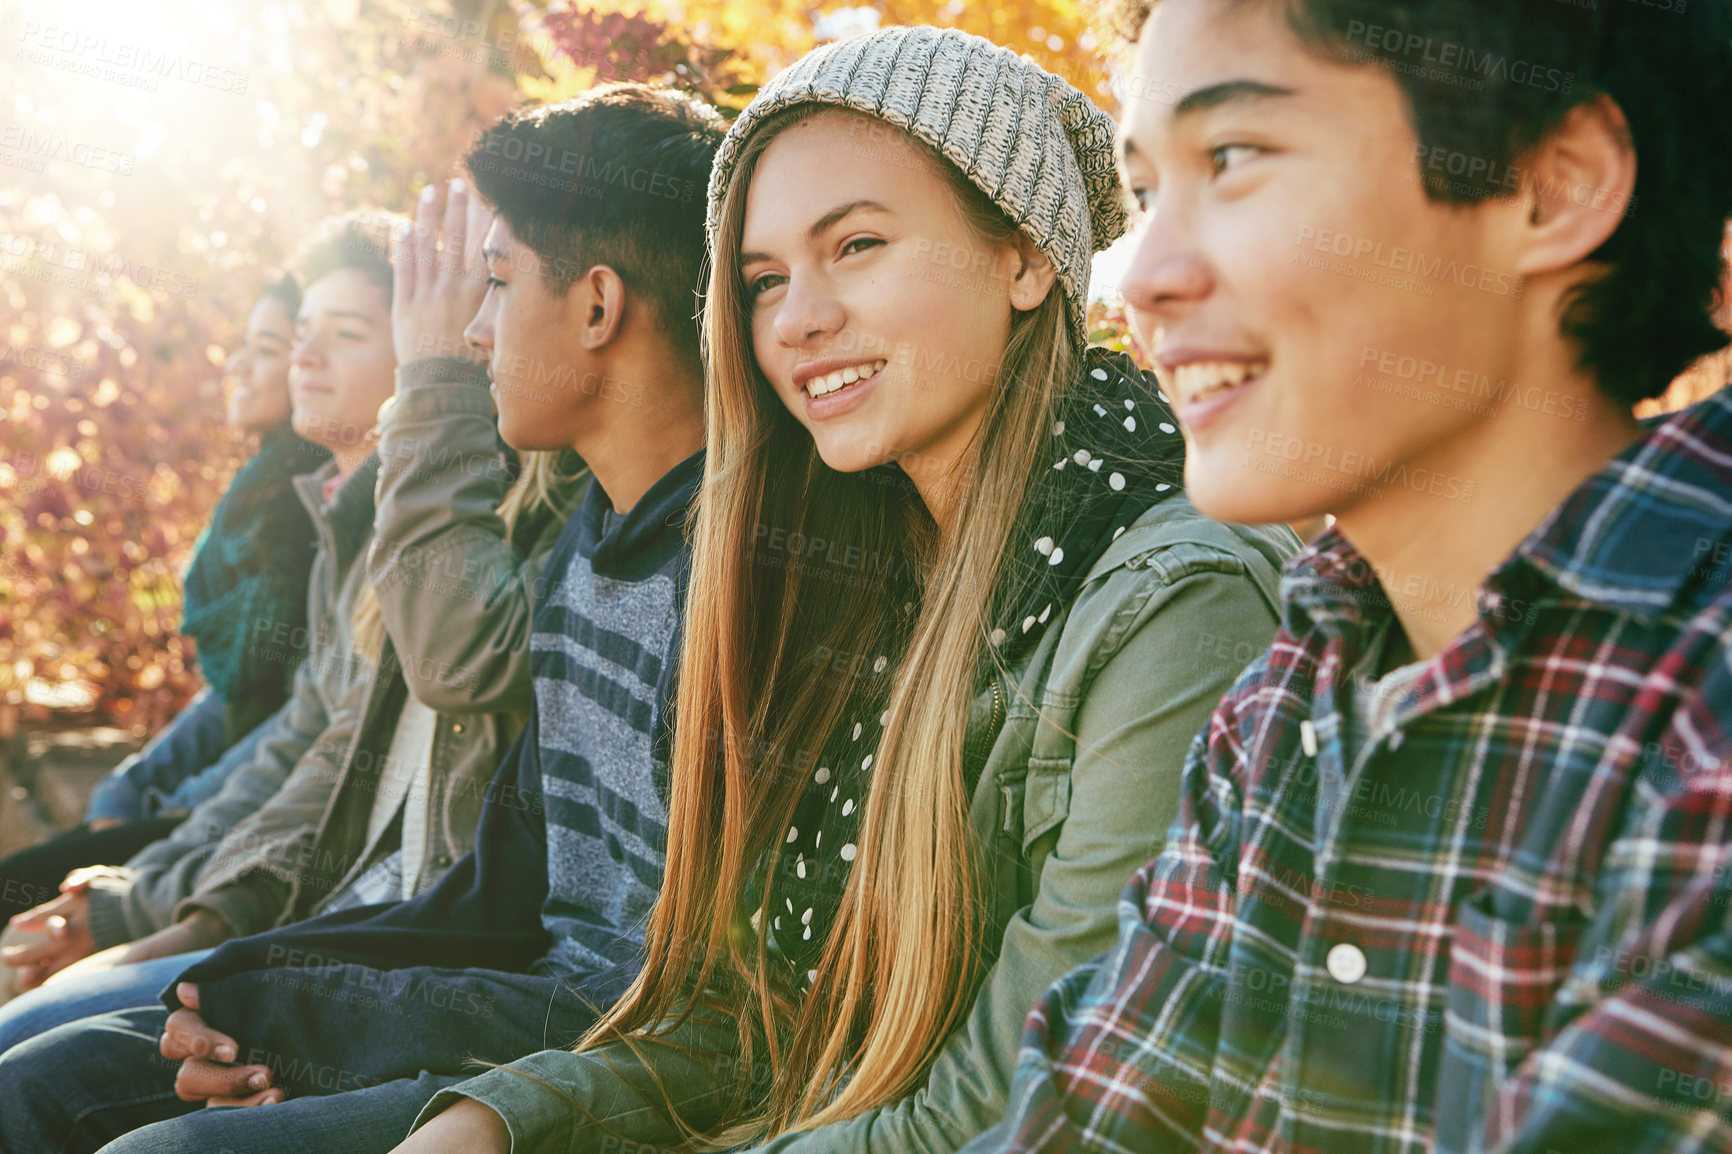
1034,275
599,295
1579,185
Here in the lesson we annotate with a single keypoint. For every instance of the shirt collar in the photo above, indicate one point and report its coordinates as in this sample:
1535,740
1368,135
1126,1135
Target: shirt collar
1330,584
344,517
1631,536
1634,534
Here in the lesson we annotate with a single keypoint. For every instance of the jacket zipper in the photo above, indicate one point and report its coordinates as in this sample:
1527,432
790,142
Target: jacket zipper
997,704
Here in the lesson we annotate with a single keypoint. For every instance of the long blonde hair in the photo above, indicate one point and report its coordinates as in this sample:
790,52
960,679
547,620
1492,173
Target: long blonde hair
539,482
905,953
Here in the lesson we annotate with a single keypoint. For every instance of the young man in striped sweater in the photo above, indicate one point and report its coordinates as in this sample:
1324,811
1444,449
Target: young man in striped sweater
340,1028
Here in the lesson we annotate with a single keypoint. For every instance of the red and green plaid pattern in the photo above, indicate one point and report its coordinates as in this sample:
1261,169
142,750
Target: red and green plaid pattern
1535,869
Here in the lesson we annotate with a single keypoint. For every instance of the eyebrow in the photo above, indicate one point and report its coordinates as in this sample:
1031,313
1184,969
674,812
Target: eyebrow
822,223
1228,92
307,320
490,252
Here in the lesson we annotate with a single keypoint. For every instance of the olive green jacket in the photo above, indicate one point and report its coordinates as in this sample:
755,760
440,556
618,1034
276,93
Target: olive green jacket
1082,744
457,593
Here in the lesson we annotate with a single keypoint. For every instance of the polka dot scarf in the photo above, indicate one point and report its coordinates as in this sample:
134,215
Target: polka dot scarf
1114,452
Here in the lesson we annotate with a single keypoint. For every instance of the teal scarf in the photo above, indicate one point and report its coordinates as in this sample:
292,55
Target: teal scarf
251,565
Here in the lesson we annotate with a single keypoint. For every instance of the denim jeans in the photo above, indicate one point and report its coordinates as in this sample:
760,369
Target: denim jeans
367,1121
102,1083
97,1080
121,988
194,738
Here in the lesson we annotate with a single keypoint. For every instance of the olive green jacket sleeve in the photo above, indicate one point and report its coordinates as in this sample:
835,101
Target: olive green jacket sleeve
452,583
456,594
558,1102
248,879
1162,638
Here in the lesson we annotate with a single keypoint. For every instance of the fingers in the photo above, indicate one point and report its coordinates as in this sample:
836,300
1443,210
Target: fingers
38,918
186,1035
453,245
403,270
198,1080
79,879
187,992
30,977
426,240
31,954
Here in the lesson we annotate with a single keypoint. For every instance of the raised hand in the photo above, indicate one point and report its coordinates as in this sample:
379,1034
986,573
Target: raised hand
440,277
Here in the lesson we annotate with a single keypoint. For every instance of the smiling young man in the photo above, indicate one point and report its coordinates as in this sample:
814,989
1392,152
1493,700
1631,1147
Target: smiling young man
336,1031
1451,870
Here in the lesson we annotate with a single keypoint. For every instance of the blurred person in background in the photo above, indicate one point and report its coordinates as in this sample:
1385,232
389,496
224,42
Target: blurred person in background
343,365
251,564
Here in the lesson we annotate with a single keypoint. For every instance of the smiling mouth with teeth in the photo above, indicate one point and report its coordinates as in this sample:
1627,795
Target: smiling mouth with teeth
842,378
1202,379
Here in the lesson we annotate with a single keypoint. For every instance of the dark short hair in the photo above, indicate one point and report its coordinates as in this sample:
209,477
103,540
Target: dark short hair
617,176
284,289
355,240
1519,67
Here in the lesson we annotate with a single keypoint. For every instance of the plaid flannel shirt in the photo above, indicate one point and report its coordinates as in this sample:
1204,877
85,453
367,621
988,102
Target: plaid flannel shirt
1513,933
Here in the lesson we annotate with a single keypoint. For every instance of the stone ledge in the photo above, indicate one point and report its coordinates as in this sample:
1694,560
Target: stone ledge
46,780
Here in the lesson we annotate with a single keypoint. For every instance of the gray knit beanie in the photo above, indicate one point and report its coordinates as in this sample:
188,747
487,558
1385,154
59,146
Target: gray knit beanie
1039,148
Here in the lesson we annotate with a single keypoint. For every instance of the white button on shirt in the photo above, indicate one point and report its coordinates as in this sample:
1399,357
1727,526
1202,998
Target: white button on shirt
1346,963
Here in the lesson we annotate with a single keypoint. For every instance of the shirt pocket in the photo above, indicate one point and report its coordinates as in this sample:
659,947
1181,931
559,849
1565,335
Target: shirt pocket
1503,977
1034,800
1046,798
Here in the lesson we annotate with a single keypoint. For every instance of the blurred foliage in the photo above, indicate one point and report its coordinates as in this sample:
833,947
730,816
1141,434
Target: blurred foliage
156,160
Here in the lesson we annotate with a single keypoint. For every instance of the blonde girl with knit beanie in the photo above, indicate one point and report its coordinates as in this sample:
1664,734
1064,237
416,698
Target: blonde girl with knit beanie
952,626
